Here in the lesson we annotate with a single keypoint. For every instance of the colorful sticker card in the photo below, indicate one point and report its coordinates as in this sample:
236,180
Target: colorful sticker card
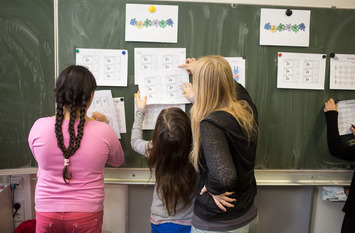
118,102
346,117
103,103
152,113
238,69
109,66
285,27
342,72
301,71
158,75
152,23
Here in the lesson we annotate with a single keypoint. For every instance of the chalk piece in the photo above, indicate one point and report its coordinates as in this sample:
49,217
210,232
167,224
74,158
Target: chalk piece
152,9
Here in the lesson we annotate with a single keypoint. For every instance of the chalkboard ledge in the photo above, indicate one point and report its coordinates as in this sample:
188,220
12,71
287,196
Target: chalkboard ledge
263,177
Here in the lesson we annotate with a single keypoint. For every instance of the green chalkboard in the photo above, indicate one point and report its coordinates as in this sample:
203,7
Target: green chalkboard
26,75
292,123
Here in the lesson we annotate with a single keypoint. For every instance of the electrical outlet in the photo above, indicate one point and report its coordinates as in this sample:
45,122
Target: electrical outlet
20,214
18,181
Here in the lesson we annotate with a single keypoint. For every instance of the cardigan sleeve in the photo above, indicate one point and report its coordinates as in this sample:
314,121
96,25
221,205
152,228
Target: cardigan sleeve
222,173
137,143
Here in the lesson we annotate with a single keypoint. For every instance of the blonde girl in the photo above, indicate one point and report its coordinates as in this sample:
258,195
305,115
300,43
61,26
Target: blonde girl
224,129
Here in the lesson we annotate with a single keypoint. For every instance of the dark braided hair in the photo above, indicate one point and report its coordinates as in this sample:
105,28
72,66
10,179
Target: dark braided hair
74,87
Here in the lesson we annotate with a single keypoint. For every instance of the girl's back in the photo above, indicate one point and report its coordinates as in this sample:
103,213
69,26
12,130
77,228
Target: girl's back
168,154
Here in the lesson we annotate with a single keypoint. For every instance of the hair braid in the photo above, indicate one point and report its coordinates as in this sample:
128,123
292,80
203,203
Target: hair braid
58,127
74,88
71,129
80,125
70,151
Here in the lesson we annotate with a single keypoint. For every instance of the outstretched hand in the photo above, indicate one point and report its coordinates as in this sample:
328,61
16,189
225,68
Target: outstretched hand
141,103
99,117
222,200
188,91
189,65
330,106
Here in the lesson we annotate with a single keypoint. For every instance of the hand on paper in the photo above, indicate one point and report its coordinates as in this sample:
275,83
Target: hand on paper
189,65
222,200
99,117
188,91
330,106
141,103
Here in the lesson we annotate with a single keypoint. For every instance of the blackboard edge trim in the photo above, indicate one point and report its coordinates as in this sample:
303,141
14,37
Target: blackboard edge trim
133,176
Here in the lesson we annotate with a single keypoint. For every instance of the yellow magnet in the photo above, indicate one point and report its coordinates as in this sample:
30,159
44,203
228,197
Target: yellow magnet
152,9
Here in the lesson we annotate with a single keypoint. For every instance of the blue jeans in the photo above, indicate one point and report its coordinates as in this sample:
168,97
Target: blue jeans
249,228
170,228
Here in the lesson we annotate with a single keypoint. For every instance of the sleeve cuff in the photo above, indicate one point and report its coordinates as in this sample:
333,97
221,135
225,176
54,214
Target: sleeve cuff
142,110
192,99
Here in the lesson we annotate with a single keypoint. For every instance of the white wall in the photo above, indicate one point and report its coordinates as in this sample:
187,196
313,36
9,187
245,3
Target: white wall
282,209
115,209
327,216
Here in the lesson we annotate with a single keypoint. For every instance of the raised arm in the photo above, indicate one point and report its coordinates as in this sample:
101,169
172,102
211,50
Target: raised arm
137,143
336,146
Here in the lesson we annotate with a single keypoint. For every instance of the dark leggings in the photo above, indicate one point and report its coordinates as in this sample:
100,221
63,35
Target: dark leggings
348,224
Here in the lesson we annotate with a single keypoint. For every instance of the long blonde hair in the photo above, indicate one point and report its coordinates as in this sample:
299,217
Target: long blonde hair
214,89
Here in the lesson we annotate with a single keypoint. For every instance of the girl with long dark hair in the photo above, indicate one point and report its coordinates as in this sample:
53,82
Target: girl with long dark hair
168,154
71,150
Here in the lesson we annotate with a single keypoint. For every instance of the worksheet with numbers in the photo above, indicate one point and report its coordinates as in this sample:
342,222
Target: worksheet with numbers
346,116
342,72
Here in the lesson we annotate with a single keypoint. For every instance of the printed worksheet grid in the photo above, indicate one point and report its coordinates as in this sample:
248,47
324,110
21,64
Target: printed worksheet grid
311,71
344,74
112,67
345,120
173,83
291,70
153,87
92,63
101,104
149,62
170,61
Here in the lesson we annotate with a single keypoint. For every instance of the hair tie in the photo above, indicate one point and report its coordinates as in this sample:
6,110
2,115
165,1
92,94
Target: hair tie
66,162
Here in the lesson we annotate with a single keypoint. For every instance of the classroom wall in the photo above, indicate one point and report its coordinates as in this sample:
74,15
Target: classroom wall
282,209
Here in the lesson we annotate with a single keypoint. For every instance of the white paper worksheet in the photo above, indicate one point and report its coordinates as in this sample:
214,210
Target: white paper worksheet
152,23
152,113
238,69
120,113
278,28
346,116
158,76
301,71
103,103
342,72
109,66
